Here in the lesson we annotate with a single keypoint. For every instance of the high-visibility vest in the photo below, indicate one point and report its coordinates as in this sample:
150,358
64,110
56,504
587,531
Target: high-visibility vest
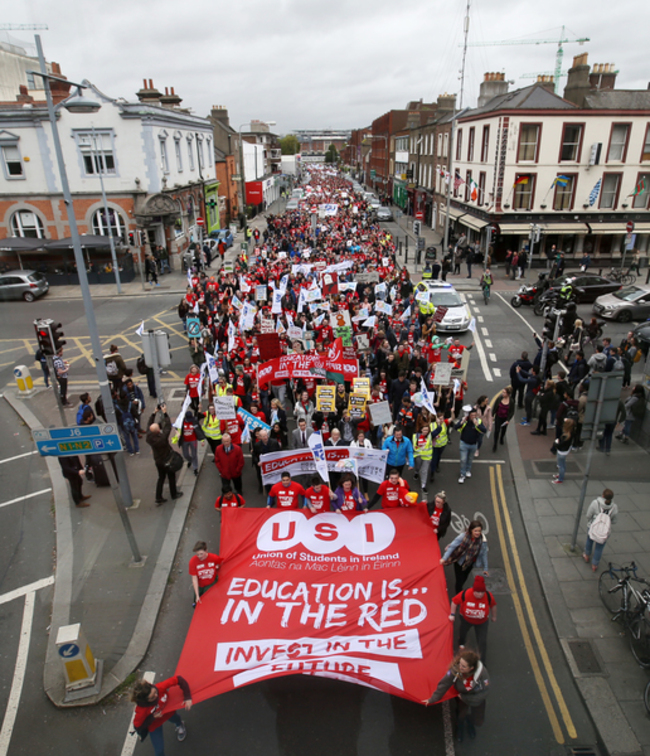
426,451
441,438
426,308
427,273
211,427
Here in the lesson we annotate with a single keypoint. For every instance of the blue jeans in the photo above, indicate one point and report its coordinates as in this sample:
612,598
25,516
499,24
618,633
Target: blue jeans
131,440
466,458
561,465
157,737
597,548
437,456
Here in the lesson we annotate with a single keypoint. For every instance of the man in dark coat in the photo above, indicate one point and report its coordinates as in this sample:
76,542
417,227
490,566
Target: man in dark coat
73,470
158,439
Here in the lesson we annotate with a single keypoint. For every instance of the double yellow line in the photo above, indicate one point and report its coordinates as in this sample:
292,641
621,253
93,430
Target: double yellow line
535,647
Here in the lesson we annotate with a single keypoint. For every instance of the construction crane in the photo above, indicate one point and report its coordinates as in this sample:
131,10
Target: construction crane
22,27
558,56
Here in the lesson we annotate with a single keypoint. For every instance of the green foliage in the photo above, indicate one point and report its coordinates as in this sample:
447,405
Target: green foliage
332,155
290,145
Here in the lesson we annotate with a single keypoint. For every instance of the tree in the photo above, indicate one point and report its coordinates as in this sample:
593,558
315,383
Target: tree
332,155
290,145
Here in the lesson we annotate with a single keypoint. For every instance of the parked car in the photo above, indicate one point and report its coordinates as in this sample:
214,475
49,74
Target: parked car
23,284
224,234
384,214
442,294
293,204
629,303
587,286
642,335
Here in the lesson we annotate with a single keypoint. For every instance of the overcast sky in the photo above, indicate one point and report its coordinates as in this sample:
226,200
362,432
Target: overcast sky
314,64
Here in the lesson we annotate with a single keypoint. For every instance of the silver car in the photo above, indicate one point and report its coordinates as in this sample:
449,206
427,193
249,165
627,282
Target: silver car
629,303
23,284
384,214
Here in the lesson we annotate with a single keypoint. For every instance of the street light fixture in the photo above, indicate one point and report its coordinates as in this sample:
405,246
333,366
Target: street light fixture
122,491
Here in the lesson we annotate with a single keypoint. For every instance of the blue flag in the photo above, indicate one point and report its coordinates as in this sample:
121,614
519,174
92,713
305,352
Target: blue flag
595,192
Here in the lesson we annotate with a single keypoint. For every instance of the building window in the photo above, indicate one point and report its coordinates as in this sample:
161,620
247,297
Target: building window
528,143
179,156
11,162
445,148
571,142
481,188
164,160
485,143
524,191
190,153
645,153
28,225
459,145
208,145
618,141
609,191
440,144
199,149
468,186
642,189
102,224
97,152
470,145
565,186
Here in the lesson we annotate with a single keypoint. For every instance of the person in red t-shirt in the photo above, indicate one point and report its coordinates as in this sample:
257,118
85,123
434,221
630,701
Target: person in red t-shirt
286,494
203,569
192,383
392,492
234,426
476,605
440,514
318,496
150,701
229,498
189,443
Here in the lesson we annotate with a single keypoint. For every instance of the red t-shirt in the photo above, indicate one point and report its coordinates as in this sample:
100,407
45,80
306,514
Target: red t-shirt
234,426
473,610
349,503
320,501
287,498
205,569
392,495
188,431
192,380
236,501
435,518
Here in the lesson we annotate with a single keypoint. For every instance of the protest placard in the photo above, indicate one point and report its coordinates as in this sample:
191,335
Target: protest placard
325,399
224,406
380,413
357,405
442,373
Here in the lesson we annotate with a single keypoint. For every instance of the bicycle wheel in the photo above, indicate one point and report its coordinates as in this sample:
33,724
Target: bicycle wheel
628,278
640,639
610,591
646,697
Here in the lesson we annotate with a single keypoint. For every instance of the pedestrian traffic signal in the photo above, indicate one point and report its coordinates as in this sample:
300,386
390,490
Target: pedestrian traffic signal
549,328
57,336
131,239
44,336
417,227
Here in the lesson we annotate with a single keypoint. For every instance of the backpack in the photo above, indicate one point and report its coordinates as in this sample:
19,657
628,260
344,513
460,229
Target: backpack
490,597
80,413
600,528
572,414
111,368
141,365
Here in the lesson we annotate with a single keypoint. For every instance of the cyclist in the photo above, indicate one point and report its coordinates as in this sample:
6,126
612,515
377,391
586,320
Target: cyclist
486,284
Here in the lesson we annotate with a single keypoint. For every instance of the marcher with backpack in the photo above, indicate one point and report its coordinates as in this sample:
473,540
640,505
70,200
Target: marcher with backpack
475,606
601,515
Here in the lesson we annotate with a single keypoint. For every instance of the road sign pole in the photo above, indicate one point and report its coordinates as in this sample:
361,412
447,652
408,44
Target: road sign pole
55,387
590,454
117,493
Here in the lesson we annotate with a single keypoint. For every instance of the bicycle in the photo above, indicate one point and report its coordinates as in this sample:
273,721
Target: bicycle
486,292
633,607
621,276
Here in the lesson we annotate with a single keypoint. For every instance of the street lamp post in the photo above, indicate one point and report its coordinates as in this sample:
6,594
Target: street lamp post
121,490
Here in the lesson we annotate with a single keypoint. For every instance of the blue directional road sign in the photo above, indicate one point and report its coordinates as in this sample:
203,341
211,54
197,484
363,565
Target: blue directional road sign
68,650
82,439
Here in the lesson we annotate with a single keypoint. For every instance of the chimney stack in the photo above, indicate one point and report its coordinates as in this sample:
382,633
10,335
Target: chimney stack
603,76
170,100
578,84
149,94
493,85
548,82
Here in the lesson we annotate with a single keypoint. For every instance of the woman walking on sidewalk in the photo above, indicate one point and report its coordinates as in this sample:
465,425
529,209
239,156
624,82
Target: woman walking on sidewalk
503,411
562,447
599,528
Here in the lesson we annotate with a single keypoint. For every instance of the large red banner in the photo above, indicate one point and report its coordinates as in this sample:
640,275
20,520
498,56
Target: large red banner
336,360
360,598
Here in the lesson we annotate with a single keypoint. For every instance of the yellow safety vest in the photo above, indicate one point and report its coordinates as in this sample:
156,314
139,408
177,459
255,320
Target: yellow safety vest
441,438
212,427
426,452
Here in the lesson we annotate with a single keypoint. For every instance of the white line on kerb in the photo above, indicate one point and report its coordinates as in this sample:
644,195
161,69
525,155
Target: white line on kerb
131,736
18,456
19,674
23,498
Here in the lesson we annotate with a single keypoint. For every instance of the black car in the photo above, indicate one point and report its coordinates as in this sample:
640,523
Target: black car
588,286
642,335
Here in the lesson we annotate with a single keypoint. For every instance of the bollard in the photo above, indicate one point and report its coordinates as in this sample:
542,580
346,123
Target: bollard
24,380
81,670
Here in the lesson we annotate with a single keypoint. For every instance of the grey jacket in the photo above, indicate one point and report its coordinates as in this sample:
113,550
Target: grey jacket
597,506
473,697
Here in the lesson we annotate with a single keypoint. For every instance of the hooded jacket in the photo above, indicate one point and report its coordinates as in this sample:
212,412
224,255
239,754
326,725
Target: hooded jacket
473,697
599,505
597,362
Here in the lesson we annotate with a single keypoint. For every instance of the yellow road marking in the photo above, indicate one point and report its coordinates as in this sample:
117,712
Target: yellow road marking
568,722
171,328
85,352
546,699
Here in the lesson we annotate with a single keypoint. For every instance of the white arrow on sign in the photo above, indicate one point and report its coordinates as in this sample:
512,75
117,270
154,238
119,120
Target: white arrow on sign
68,652
48,448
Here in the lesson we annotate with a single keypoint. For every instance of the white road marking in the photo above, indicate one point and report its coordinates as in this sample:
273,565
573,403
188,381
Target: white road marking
480,318
19,674
493,357
497,372
23,498
478,461
481,353
488,343
512,309
485,331
131,736
18,456
448,729
18,592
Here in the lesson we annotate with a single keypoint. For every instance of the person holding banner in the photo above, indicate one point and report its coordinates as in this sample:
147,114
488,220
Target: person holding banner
392,492
192,384
348,497
203,570
466,551
422,455
318,496
287,494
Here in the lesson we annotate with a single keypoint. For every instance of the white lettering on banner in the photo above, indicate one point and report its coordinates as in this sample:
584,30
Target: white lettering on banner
327,532
371,463
404,644
341,668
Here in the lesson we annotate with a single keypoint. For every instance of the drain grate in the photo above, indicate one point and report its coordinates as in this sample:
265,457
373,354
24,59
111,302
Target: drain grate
582,751
586,662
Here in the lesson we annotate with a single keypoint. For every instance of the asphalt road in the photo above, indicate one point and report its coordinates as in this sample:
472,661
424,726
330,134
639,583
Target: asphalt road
534,705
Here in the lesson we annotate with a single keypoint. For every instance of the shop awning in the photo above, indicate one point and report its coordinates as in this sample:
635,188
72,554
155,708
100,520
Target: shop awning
88,241
455,213
564,228
21,244
472,222
514,228
641,228
608,228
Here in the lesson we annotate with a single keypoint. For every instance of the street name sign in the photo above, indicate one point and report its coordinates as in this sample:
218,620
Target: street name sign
82,439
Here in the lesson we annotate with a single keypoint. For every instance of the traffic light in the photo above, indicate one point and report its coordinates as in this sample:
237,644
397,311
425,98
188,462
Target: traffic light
549,328
131,239
57,336
417,227
44,336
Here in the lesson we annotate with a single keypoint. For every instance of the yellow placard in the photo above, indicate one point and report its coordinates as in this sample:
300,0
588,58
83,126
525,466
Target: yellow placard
361,386
357,405
325,399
